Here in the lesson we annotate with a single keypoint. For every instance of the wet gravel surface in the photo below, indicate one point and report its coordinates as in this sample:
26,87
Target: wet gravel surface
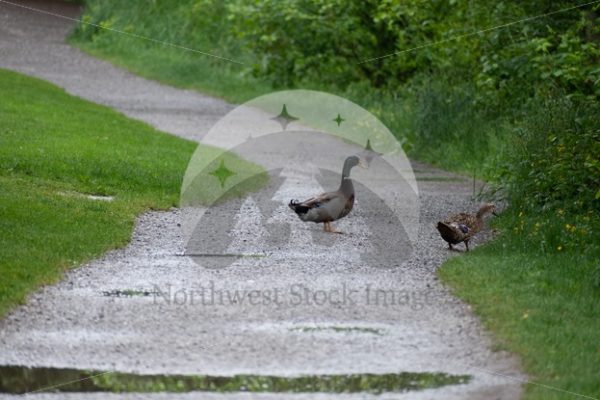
148,309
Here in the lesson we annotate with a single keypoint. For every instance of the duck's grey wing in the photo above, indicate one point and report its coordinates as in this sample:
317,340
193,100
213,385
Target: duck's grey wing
320,200
320,208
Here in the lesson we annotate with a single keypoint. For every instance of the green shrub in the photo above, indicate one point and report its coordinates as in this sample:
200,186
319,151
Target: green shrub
293,42
555,158
552,178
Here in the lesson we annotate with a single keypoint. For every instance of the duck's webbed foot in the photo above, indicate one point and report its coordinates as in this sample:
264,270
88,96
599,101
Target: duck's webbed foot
452,248
328,228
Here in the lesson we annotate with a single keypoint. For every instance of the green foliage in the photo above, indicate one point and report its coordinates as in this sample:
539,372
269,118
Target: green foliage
449,125
564,54
295,42
555,158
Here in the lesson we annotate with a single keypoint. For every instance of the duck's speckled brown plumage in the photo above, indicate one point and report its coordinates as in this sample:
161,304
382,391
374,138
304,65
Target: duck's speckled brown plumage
459,228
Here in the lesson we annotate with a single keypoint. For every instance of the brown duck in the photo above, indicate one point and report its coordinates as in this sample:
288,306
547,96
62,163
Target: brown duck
463,226
330,206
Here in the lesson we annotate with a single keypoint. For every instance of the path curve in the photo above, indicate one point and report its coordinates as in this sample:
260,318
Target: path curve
72,324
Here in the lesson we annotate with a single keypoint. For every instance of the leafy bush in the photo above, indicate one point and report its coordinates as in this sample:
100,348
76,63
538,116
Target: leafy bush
554,163
552,177
293,42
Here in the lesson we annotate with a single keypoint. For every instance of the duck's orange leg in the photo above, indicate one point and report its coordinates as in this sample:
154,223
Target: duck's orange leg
329,229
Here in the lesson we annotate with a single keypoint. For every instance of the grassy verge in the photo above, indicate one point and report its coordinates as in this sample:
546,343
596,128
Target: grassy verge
542,304
178,68
55,150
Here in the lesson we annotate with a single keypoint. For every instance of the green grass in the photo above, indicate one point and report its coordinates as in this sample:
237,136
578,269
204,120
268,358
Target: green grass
542,305
54,150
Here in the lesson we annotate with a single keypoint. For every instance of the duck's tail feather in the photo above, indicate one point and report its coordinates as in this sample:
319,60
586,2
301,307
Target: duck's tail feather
298,207
450,233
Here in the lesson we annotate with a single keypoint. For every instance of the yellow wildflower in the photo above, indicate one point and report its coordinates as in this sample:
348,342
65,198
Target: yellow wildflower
559,248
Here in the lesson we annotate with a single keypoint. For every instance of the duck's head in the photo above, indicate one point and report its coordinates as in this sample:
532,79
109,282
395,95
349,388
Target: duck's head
350,163
353,161
487,208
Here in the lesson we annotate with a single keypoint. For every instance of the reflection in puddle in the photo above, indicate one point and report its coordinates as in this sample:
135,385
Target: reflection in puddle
129,293
15,379
338,329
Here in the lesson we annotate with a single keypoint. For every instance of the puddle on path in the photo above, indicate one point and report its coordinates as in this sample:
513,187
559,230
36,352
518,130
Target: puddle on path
96,197
17,380
338,329
129,293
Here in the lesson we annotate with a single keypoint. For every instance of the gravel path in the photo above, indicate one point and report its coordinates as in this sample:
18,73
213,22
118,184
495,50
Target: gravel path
78,324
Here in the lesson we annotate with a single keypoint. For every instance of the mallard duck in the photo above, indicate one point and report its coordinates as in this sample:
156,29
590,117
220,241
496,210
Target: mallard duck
330,206
462,227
